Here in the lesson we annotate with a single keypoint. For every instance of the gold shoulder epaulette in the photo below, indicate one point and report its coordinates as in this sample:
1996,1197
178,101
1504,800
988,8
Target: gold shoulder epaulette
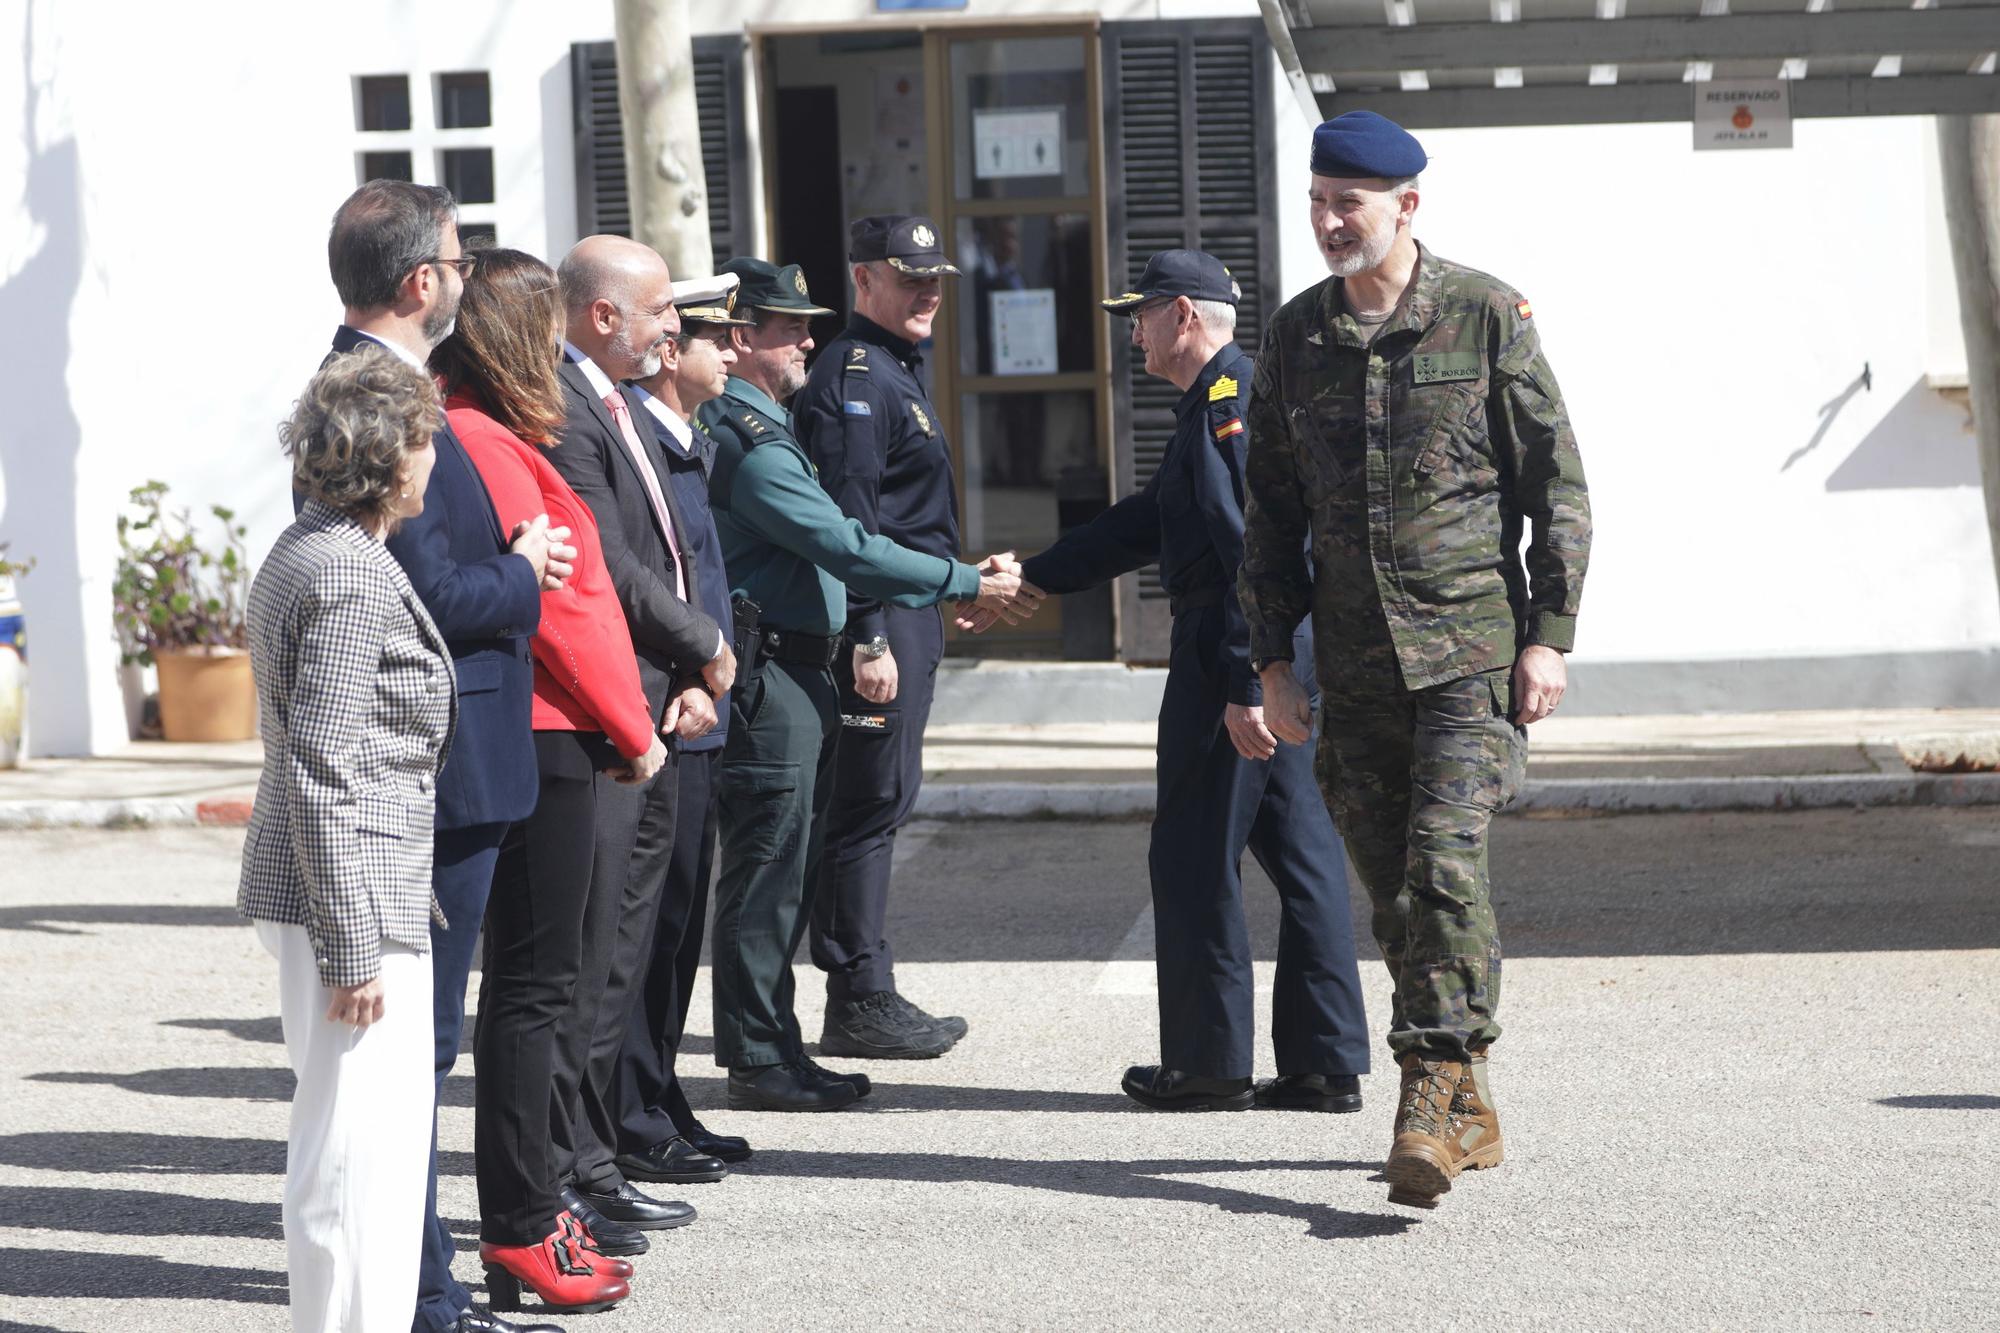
1224,387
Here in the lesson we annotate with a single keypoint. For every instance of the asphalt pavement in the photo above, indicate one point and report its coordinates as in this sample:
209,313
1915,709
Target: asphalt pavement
1747,1082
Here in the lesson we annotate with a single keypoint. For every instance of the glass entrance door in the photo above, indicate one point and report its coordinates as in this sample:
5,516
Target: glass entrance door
1027,365
995,134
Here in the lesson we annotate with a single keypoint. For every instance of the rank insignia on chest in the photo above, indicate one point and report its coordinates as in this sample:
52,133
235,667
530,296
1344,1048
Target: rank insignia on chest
1233,426
923,418
1223,388
1444,367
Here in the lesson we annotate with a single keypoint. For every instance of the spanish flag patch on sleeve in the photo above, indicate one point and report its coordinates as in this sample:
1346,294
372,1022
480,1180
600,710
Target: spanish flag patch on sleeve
1523,309
1233,426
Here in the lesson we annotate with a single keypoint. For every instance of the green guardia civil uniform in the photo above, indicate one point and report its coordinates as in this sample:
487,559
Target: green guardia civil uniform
788,548
1410,466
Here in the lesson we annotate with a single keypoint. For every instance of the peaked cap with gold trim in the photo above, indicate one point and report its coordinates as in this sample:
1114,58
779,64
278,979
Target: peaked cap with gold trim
905,241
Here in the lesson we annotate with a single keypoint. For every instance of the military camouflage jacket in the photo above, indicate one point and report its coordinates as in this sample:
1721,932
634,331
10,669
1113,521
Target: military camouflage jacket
1412,465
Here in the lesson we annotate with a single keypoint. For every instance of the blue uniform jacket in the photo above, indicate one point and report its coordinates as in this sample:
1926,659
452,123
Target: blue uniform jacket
486,603
867,424
1189,517
687,472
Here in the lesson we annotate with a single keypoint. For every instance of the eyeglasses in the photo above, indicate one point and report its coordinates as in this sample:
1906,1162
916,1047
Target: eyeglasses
464,263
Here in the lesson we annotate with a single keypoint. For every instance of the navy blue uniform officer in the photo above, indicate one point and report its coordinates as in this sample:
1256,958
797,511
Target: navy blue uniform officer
868,424
396,264
788,549
1224,784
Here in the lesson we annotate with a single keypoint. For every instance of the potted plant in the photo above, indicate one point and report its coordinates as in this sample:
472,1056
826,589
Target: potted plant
179,606
13,664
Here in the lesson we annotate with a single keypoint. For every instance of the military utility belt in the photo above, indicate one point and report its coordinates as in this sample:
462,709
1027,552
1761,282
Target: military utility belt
813,650
1197,599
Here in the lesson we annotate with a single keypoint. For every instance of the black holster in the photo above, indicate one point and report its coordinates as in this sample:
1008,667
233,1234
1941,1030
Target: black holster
745,640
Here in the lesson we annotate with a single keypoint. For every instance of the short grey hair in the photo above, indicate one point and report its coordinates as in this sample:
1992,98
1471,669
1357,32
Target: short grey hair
1218,317
1401,185
385,229
352,431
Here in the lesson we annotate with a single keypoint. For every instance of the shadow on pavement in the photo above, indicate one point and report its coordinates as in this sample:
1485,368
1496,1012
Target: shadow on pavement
1967,1101
268,1084
44,920
83,1275
1098,1179
115,1153
270,1029
141,1213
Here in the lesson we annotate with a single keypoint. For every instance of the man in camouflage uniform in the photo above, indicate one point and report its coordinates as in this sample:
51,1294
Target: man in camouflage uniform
1403,416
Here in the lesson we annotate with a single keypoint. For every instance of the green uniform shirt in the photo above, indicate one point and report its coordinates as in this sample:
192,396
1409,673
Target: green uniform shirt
786,544
1413,465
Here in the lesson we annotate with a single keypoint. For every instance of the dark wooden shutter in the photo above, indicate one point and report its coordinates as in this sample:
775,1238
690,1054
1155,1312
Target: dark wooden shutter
603,203
1188,111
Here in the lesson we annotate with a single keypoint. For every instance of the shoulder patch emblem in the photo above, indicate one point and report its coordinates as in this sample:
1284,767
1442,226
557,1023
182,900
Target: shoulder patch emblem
855,407
1523,309
1223,388
1233,426
923,418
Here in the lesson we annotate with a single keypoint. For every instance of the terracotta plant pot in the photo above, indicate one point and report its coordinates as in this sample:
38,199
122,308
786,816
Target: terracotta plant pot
207,694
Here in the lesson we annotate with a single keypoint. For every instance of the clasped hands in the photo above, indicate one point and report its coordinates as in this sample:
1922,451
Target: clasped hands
545,548
1003,595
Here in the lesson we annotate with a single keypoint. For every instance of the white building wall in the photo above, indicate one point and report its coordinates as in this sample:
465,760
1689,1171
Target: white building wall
165,295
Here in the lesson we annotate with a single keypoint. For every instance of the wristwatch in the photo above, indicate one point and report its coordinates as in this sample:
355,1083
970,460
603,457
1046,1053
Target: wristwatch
1257,664
874,649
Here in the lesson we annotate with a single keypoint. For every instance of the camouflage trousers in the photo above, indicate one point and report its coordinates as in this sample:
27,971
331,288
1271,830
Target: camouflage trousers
1413,779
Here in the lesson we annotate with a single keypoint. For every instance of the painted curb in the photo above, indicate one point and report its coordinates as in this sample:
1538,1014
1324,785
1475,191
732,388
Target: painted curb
1134,800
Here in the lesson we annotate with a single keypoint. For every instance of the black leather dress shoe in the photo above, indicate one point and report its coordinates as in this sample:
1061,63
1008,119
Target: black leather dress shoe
634,1209
1310,1092
675,1162
1171,1090
472,1319
786,1087
723,1147
612,1238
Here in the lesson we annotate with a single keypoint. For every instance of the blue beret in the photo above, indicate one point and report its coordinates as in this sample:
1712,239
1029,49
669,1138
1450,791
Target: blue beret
1361,143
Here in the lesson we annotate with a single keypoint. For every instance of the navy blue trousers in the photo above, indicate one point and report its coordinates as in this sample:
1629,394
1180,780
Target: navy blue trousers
879,768
650,1104
461,876
1213,804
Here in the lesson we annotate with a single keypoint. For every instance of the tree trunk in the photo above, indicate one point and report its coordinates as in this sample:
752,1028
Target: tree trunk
1969,150
663,170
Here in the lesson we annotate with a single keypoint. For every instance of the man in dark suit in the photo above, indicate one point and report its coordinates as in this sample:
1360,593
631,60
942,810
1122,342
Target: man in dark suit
618,303
659,1138
397,266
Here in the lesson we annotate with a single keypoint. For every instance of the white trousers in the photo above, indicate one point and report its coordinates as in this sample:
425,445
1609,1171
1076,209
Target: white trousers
360,1142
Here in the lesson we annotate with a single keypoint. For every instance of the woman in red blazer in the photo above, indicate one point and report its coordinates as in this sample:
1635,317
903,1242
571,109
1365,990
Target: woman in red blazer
592,727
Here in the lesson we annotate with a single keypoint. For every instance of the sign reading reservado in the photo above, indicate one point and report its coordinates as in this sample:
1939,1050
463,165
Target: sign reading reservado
1743,113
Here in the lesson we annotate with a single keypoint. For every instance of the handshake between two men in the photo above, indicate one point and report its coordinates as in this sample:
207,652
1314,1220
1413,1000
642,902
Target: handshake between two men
1003,595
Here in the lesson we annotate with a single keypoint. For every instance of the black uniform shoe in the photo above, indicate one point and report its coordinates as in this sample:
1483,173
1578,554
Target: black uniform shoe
472,1319
612,1238
876,1027
863,1085
641,1211
1310,1092
955,1028
1171,1090
674,1162
723,1147
791,1086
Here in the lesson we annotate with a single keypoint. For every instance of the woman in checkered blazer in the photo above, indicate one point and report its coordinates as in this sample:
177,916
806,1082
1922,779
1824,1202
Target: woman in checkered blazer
357,703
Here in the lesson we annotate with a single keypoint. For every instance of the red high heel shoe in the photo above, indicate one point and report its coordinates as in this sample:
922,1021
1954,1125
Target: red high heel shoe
598,1259
558,1270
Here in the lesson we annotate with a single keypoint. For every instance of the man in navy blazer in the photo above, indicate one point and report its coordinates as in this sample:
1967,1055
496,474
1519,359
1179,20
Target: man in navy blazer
396,263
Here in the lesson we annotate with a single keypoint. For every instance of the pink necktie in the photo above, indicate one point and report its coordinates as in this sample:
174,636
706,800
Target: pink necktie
623,416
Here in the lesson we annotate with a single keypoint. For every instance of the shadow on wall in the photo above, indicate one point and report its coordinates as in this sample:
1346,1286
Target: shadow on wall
1923,442
39,447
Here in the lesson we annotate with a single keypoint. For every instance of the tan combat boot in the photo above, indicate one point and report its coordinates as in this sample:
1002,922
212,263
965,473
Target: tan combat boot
1426,1154
1476,1123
